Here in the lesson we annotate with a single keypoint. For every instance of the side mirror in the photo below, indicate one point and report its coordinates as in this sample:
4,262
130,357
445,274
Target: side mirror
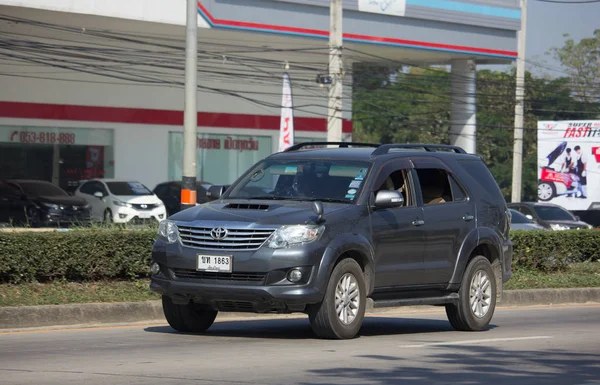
216,191
388,199
99,195
529,216
317,208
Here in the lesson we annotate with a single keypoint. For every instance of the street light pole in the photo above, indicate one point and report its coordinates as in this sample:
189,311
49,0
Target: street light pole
334,111
519,110
188,183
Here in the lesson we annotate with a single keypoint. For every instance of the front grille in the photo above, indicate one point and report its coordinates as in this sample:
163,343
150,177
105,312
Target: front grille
239,277
236,239
235,305
143,207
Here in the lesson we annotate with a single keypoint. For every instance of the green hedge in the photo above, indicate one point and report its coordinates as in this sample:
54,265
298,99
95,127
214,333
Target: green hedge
96,254
79,255
554,250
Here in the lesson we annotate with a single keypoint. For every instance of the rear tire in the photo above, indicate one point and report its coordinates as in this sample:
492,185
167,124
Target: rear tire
340,315
546,191
194,318
477,297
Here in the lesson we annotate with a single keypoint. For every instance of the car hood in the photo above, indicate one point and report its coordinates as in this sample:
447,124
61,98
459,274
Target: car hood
275,213
526,226
573,224
139,199
62,200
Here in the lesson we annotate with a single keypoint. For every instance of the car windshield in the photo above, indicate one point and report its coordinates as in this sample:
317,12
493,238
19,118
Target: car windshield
551,213
41,189
517,217
128,188
326,180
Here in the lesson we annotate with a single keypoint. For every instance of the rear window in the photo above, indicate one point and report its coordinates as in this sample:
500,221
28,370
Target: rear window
482,176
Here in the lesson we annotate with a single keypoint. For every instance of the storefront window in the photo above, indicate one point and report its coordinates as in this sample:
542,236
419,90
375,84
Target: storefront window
220,159
58,155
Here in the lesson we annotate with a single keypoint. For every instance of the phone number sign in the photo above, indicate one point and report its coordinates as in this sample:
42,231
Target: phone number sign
40,137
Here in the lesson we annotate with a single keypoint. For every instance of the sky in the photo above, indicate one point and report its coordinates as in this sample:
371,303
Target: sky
546,24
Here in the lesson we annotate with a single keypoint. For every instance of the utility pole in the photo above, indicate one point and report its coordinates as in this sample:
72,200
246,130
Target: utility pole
519,109
334,112
188,183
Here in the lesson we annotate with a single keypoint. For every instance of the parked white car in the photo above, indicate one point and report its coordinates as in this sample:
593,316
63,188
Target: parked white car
121,201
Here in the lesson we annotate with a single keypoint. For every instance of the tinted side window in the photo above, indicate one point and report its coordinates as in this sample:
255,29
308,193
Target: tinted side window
482,176
87,188
435,186
8,191
160,190
458,194
399,180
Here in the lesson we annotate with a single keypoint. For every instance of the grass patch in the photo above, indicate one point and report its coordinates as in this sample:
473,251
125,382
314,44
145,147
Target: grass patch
54,293
585,274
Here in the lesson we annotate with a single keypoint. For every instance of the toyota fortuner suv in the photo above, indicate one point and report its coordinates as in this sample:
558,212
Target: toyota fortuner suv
324,230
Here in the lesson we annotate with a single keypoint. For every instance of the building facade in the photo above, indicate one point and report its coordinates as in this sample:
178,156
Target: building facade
95,89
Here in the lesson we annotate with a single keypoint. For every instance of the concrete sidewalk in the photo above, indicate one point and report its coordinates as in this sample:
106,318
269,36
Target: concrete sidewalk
12,318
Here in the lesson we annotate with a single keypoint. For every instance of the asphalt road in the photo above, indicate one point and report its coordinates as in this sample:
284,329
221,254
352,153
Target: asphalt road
557,345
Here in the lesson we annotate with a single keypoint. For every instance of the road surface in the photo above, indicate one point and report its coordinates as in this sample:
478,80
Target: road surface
545,345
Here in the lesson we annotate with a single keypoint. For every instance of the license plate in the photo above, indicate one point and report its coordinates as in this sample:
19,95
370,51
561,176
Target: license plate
144,215
215,263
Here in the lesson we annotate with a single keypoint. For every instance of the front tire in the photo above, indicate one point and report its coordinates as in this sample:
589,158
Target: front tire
477,297
340,315
194,318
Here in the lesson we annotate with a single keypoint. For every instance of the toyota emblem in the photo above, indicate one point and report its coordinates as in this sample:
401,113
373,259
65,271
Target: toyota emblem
218,233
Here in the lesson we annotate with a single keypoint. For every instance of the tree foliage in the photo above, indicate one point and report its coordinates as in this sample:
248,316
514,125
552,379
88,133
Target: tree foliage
582,62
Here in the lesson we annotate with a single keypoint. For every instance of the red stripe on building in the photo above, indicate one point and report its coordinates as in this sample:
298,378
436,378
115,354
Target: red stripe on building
43,111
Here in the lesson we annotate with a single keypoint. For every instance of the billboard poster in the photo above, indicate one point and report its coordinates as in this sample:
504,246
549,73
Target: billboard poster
569,163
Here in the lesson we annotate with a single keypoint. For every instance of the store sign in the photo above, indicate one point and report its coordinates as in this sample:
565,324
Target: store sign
51,135
228,143
386,7
569,163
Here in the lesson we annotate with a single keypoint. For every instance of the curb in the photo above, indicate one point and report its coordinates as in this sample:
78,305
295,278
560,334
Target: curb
151,311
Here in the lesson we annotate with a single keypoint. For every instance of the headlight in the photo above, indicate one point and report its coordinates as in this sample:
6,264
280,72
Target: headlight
557,227
122,204
292,235
167,230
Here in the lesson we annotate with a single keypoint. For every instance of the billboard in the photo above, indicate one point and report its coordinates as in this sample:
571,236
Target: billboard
569,163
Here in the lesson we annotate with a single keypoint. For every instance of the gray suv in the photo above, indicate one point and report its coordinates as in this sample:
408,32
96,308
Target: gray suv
325,230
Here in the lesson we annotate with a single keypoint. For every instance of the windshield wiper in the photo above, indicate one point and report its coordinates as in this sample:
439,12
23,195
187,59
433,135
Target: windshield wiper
332,200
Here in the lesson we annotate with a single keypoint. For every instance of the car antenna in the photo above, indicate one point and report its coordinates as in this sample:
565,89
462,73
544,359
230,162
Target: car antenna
317,207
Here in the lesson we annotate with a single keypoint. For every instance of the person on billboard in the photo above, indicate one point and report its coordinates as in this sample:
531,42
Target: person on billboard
581,172
568,166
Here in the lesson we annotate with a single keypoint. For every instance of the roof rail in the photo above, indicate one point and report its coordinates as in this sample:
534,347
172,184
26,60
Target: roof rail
385,148
298,146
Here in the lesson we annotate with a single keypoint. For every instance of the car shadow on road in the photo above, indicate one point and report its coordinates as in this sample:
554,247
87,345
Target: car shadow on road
472,365
300,328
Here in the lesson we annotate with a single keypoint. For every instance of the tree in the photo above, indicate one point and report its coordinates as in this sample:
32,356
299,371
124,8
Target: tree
582,62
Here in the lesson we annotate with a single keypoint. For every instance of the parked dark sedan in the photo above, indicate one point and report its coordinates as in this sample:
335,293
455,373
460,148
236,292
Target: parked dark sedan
549,215
39,203
170,194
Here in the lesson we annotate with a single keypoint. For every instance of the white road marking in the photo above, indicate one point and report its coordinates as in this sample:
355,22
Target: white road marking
471,342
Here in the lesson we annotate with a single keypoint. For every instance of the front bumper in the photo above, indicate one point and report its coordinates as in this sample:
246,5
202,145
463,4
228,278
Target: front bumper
127,214
258,282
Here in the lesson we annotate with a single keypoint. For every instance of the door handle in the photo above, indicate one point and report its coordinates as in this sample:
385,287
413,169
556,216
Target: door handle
418,222
468,217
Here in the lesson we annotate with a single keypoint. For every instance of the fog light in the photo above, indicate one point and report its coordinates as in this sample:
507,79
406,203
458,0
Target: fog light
161,216
294,275
122,216
155,268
